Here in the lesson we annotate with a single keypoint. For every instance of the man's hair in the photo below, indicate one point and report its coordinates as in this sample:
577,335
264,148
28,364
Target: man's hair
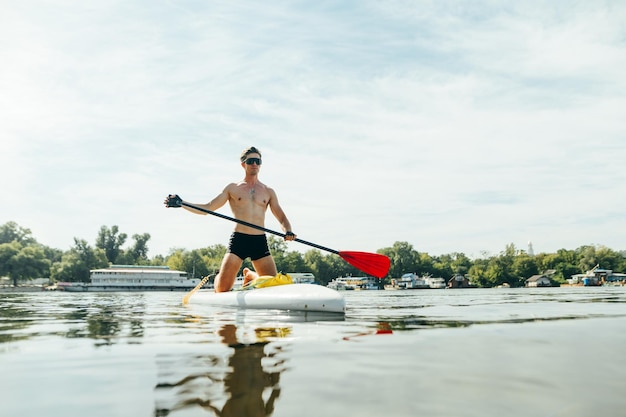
247,151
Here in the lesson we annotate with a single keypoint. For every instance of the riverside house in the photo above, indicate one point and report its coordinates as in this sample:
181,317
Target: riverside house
540,280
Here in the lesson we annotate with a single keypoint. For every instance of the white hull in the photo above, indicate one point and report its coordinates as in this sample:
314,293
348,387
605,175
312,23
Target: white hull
133,278
124,288
296,297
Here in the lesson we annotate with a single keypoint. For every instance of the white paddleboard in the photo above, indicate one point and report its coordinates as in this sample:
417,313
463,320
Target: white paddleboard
296,297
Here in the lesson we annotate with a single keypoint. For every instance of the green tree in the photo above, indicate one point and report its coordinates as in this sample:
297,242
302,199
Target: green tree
478,273
139,250
197,262
292,262
8,254
450,264
608,258
523,267
499,269
460,263
427,265
286,261
587,258
12,232
278,249
23,262
30,263
111,241
338,267
176,259
212,257
76,264
316,263
52,254
403,258
564,263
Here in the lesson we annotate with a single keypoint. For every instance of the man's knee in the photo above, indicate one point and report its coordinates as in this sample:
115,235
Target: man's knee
265,266
225,279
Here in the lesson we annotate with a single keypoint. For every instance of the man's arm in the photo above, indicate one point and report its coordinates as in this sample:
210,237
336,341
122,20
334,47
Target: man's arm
216,203
280,215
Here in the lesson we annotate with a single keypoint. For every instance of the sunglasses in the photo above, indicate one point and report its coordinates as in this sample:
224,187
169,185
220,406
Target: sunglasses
251,161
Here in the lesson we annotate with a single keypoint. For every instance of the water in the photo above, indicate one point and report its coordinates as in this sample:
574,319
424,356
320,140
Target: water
474,352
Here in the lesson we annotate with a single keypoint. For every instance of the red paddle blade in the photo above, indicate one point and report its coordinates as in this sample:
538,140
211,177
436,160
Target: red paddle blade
371,263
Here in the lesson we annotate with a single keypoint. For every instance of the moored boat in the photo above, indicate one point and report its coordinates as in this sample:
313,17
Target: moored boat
133,278
341,284
597,277
354,283
412,281
436,282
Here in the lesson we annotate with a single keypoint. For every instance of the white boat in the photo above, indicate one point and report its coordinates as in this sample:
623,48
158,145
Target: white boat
133,278
412,281
370,286
302,277
294,297
368,283
354,283
340,284
238,283
436,282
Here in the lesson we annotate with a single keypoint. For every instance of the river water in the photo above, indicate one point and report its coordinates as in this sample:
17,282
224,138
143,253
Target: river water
470,352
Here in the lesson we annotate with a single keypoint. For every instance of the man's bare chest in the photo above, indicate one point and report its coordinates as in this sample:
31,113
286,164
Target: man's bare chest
250,195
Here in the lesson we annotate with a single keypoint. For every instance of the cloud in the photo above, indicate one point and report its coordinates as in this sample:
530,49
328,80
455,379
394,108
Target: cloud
455,126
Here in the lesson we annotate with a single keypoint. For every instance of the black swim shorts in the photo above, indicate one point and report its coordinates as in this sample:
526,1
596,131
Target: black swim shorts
248,246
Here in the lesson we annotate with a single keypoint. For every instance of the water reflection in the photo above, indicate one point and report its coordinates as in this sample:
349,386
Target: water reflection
14,318
382,327
106,319
242,382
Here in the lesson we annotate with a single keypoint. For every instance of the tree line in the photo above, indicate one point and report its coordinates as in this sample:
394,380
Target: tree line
22,258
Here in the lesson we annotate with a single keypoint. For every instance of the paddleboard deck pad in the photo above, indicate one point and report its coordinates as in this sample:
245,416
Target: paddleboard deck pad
295,297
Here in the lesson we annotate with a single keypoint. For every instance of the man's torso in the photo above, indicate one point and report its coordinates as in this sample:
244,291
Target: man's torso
249,202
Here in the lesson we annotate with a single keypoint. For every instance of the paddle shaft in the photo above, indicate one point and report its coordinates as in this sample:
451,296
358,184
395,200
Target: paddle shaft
255,226
200,284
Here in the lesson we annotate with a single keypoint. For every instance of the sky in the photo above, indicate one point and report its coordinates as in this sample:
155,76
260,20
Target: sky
455,126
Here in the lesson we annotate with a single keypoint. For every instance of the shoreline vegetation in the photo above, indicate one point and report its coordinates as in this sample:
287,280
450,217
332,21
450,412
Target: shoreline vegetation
23,259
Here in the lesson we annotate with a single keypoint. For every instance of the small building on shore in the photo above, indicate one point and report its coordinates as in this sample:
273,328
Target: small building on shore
460,281
598,276
540,280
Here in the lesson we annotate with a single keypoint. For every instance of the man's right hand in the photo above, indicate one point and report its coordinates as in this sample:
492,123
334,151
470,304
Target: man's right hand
173,200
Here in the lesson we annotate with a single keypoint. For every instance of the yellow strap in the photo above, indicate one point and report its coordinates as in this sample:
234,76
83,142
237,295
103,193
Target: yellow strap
269,281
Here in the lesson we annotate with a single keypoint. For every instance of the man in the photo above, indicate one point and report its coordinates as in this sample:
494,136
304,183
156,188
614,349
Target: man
248,200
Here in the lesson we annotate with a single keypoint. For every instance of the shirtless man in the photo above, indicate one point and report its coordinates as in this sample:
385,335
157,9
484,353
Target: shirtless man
248,200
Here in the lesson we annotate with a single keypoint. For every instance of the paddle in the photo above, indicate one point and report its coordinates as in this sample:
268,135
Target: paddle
372,264
197,287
